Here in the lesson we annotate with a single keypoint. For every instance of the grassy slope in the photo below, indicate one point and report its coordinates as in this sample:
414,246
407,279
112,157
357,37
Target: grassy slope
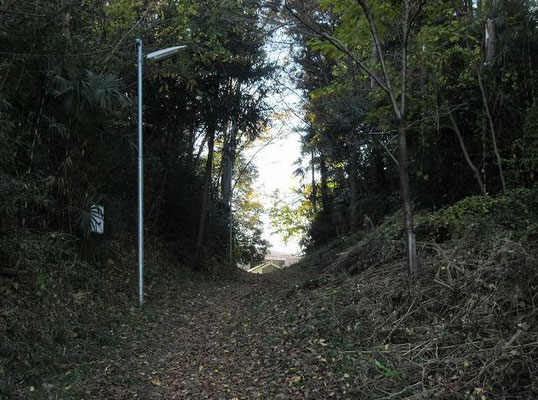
467,328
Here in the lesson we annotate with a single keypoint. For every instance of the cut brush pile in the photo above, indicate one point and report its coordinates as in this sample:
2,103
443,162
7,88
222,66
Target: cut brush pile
465,328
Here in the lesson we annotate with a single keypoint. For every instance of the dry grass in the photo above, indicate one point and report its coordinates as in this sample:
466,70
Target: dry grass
465,329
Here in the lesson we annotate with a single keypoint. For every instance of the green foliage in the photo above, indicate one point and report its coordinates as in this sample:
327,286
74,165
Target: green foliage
68,115
291,219
346,110
524,162
68,142
249,246
92,93
478,217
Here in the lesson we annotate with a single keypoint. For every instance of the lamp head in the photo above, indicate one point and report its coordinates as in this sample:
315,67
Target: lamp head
160,54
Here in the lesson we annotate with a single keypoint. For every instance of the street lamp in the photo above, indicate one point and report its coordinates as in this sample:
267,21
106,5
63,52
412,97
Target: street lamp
156,55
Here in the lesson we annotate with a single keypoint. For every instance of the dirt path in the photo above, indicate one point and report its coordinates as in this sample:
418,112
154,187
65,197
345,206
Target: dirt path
213,344
204,351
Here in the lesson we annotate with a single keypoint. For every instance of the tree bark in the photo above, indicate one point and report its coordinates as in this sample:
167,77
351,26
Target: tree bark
206,197
378,169
325,200
403,175
463,147
227,164
491,128
399,113
375,59
473,167
353,187
314,188
490,41
230,140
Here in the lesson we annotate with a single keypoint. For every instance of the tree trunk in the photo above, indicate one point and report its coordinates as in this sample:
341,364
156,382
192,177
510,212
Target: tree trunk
484,154
473,167
189,160
230,141
399,113
490,41
492,128
375,59
227,164
324,172
466,154
314,188
206,197
378,170
403,174
353,187
154,213
66,31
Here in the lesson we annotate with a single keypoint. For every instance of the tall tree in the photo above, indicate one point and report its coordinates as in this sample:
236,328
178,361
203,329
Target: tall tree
386,82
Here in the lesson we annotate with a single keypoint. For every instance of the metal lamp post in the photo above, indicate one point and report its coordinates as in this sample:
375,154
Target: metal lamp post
156,55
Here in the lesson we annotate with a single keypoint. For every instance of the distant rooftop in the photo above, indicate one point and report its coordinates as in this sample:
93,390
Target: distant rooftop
284,258
273,253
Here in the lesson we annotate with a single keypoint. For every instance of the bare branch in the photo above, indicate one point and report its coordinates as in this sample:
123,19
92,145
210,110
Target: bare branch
135,25
406,30
464,148
339,45
375,38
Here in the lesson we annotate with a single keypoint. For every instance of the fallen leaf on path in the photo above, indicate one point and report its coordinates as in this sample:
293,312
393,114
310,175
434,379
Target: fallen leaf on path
295,379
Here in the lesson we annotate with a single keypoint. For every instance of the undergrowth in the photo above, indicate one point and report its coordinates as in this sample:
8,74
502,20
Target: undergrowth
465,328
60,315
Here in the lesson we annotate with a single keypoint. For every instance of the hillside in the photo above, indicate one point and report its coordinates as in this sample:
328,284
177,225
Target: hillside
344,323
465,328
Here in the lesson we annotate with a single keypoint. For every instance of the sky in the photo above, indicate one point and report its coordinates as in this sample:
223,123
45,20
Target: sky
275,161
275,167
